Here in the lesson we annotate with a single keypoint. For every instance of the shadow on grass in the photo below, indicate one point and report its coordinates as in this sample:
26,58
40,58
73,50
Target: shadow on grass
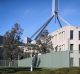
75,70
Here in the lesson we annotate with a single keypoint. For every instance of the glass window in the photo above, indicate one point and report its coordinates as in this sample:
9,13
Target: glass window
63,35
71,34
79,48
71,62
79,61
59,48
79,35
71,48
63,47
56,48
60,36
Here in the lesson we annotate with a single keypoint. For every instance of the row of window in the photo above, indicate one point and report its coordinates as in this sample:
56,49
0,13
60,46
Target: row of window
62,47
59,48
71,35
58,37
71,47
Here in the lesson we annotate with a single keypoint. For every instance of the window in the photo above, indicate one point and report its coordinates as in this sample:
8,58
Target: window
63,47
71,34
60,36
79,35
71,48
79,61
55,38
63,35
71,62
59,48
79,48
56,48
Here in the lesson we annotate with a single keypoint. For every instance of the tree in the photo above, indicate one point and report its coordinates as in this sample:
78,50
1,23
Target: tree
11,42
42,45
45,44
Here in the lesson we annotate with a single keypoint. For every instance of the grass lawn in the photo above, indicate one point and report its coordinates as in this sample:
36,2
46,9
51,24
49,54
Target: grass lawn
75,70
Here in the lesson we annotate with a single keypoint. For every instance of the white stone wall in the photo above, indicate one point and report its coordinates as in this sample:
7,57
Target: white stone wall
61,39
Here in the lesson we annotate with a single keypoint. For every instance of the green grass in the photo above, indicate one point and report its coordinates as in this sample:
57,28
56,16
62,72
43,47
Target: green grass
75,70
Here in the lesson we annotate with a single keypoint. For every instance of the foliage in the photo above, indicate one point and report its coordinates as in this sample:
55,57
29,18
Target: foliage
45,44
11,42
42,45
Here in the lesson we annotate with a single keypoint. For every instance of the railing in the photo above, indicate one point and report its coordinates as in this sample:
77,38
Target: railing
8,63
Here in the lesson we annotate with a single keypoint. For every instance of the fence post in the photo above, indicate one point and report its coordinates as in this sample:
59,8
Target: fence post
31,69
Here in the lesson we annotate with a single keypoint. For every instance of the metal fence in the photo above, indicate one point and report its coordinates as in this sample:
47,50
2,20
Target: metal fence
8,63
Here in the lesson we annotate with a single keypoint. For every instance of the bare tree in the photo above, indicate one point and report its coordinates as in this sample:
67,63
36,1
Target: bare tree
11,43
43,45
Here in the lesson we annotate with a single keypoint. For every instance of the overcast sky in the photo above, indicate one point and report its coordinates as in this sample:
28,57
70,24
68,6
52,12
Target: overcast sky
31,14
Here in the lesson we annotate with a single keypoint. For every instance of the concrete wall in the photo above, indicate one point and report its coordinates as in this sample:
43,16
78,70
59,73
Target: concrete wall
25,62
49,60
55,60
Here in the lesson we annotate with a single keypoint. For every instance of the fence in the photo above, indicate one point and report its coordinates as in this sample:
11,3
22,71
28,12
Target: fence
8,63
49,60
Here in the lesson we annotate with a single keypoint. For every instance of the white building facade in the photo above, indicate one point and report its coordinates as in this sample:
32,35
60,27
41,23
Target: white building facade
67,38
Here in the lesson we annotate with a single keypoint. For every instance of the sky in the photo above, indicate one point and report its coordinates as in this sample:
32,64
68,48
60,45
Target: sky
32,14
